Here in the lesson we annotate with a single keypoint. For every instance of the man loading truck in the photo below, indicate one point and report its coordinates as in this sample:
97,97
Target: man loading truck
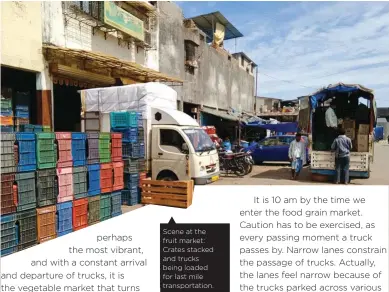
351,107
176,147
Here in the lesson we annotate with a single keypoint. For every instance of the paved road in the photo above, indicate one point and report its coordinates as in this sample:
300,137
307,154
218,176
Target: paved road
279,174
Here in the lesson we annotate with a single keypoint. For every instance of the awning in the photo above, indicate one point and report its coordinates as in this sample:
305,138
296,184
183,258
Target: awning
223,115
282,127
207,23
120,68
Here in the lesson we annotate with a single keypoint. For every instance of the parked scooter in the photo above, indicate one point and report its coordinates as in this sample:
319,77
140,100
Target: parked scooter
239,163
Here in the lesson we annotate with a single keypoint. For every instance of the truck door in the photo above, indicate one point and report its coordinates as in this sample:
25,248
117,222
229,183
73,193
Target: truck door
168,155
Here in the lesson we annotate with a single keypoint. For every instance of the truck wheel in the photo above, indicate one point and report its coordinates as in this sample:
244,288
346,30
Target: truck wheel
167,176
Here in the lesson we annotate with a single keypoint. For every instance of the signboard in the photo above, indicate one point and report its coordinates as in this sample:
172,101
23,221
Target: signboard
123,21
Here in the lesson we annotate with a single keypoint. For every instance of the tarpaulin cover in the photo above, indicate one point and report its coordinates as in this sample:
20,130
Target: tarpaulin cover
136,97
321,95
279,128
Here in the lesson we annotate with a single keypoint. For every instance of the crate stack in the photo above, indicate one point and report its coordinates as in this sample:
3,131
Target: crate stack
56,183
6,112
130,125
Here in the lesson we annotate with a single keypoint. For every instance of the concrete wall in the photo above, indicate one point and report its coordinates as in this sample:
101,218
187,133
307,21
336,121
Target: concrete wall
21,35
218,82
67,32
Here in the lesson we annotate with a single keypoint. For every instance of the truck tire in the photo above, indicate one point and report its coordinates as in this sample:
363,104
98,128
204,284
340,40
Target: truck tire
167,175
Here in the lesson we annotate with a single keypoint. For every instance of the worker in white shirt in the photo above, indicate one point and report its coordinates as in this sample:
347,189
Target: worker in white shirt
297,155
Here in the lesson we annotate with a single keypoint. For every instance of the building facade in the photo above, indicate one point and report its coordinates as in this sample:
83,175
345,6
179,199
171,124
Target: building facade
215,81
71,45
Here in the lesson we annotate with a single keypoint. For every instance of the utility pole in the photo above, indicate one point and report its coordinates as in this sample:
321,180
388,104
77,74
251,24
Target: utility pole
256,89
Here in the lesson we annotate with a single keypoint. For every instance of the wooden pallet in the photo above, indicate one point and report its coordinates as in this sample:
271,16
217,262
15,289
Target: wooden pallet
167,193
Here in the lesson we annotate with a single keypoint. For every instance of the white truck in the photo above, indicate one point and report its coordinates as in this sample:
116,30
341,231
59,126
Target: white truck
176,147
348,100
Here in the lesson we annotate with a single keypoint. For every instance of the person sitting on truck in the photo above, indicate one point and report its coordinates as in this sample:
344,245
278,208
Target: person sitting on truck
330,116
342,146
297,155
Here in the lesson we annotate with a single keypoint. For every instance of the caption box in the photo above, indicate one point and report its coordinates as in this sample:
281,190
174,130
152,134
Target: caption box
194,257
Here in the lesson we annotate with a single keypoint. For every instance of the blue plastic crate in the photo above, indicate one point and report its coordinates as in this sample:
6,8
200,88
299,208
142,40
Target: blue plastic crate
141,150
27,151
27,128
22,114
129,135
79,149
38,128
119,120
6,113
6,129
130,150
116,202
133,119
140,119
94,179
23,108
9,235
130,197
64,218
131,180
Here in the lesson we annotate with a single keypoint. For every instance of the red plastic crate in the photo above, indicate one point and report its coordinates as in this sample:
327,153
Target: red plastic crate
106,177
64,141
8,199
116,147
80,214
118,181
209,130
65,184
142,175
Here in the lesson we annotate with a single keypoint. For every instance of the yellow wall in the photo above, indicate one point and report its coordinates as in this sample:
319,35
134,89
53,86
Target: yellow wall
21,35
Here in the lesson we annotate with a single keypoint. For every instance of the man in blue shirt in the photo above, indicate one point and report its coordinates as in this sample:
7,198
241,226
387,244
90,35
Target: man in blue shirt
342,146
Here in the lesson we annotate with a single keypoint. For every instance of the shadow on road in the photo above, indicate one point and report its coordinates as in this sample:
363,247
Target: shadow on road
283,174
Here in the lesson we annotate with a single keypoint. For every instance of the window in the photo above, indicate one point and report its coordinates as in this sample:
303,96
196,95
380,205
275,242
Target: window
242,61
284,141
172,139
190,51
252,68
269,142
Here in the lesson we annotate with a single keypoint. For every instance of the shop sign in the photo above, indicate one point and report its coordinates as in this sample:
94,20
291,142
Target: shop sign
123,21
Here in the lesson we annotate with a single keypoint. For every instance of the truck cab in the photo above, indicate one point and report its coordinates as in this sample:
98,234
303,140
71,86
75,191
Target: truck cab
180,149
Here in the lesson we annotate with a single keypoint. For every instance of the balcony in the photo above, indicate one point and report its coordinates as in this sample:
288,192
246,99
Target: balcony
96,14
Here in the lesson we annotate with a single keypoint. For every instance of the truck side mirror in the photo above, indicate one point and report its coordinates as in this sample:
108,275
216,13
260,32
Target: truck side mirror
185,148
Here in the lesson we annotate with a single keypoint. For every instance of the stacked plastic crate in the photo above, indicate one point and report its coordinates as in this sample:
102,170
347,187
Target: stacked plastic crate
48,186
6,113
129,124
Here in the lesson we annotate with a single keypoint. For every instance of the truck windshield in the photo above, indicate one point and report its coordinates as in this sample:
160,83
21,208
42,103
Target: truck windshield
200,140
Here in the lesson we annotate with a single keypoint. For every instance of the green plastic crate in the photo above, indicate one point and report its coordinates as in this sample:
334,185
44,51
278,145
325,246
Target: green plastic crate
105,136
93,210
46,129
105,207
46,150
104,151
80,184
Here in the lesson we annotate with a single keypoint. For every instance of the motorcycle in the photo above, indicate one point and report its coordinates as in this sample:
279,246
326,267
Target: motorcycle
240,163
231,162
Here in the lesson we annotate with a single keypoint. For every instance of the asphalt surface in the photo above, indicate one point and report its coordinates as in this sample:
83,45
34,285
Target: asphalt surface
279,173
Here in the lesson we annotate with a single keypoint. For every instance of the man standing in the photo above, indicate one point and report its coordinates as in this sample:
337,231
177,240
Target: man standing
297,155
342,146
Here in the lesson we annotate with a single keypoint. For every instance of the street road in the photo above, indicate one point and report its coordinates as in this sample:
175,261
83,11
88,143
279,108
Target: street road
279,174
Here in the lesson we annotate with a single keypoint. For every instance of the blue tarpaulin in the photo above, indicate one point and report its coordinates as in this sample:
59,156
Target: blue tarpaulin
321,95
281,128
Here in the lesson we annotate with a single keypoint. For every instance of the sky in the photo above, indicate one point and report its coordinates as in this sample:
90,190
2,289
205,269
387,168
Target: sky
302,46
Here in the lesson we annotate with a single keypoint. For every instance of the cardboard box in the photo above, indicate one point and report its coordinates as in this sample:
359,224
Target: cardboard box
362,143
348,124
364,129
350,133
